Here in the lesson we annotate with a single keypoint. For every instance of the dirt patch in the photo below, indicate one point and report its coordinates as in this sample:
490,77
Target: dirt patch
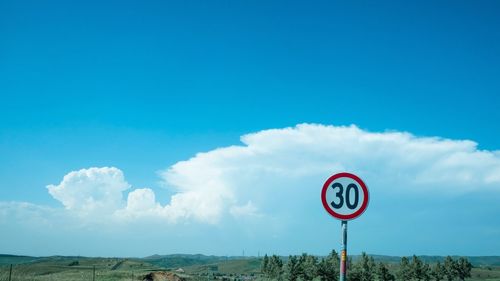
117,265
162,276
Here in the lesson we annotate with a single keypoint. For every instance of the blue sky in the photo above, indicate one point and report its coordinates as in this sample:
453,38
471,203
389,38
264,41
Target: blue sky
145,86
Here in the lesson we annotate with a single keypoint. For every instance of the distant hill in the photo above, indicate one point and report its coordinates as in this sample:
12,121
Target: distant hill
181,260
229,266
200,262
12,259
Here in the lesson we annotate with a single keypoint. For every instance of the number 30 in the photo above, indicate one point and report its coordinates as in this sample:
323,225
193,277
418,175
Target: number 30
340,195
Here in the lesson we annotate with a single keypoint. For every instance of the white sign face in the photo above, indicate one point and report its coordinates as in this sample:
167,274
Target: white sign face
344,196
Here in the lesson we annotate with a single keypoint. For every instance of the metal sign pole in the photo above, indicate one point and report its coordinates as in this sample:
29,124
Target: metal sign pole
343,252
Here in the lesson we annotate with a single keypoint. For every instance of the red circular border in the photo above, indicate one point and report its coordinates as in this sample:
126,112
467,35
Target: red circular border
350,216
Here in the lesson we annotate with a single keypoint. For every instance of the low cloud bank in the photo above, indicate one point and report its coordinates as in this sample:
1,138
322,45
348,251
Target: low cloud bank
277,168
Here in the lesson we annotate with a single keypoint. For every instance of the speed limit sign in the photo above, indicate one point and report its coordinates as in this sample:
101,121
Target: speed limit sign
344,196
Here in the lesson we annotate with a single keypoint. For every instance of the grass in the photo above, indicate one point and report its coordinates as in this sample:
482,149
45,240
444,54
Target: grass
240,266
58,268
485,273
196,268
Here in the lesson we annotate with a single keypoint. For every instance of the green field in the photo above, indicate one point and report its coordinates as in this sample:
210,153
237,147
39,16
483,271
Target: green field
178,267
77,268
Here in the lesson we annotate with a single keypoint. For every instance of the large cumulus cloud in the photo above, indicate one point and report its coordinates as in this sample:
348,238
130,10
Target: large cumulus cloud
93,190
280,171
292,162
264,194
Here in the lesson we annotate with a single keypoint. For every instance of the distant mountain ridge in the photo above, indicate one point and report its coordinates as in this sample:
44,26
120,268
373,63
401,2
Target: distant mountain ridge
184,260
13,259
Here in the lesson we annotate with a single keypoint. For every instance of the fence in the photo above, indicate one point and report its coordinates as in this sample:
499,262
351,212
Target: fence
50,273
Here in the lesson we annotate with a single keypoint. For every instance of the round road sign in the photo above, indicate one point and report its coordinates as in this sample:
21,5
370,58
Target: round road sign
344,196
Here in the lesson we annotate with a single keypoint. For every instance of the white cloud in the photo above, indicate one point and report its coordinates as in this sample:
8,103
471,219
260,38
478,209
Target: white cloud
275,167
91,191
141,200
247,210
280,171
141,203
25,212
264,194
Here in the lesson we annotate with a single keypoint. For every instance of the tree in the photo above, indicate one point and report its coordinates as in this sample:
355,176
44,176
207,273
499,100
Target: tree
309,267
416,268
426,272
450,268
328,268
383,273
438,272
355,272
463,268
363,270
275,267
404,273
367,267
264,266
292,269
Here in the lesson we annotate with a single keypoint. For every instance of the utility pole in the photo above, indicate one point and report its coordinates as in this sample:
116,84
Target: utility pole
343,252
10,272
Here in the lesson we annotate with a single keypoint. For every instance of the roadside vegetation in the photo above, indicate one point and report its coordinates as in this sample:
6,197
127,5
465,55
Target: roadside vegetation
268,268
308,268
